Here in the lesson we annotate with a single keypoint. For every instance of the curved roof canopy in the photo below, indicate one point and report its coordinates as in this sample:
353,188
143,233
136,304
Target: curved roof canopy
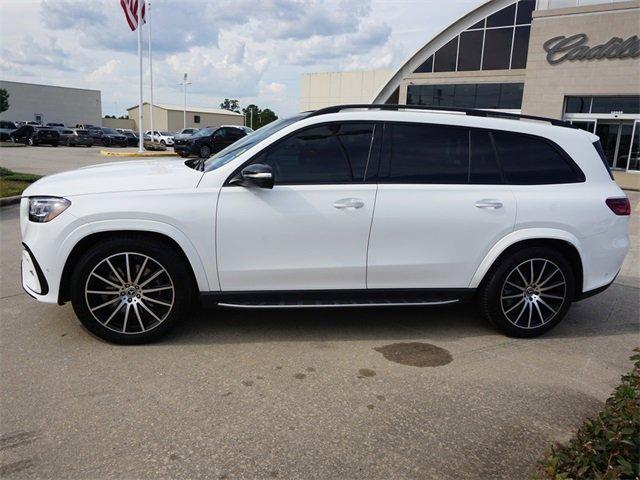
497,32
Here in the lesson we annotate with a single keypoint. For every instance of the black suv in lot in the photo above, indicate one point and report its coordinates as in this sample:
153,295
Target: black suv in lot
210,140
32,135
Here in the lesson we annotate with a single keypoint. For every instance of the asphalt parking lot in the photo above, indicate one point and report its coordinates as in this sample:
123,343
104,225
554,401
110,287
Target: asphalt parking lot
304,394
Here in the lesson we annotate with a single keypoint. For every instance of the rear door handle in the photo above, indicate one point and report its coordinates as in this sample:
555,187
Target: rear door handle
489,203
348,203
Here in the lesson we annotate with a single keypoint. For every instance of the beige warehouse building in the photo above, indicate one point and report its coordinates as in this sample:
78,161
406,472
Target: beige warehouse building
578,60
171,117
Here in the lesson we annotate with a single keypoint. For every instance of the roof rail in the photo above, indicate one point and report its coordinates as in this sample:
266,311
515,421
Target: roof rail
474,112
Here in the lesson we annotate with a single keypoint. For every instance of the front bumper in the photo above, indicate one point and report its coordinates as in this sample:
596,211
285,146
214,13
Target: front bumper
184,149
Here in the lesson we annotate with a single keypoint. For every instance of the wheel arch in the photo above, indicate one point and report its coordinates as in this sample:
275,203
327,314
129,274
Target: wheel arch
84,244
564,242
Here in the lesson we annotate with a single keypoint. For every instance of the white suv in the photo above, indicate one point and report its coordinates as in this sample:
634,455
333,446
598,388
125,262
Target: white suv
165,138
344,206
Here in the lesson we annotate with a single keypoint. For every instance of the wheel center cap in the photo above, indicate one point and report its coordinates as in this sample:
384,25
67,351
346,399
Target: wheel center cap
131,291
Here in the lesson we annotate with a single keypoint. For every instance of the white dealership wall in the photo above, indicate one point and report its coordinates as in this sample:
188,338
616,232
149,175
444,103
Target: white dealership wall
54,104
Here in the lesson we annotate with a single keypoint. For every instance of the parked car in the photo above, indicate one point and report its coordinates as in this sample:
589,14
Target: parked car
78,136
33,135
65,133
184,133
56,125
132,138
163,137
96,134
111,137
209,140
338,207
6,128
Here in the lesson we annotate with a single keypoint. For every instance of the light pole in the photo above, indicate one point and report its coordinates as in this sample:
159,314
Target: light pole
184,113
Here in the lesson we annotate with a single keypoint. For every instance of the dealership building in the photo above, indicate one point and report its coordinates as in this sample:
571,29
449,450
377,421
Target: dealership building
577,60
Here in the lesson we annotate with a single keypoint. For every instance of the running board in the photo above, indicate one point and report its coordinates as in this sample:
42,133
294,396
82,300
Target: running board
336,298
310,304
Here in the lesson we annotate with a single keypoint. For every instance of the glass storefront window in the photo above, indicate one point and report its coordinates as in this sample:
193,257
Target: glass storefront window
616,104
525,11
634,152
502,18
588,126
520,47
577,105
467,95
426,67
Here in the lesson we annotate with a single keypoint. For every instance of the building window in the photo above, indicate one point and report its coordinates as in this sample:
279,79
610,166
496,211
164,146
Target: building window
603,104
503,96
498,42
196,119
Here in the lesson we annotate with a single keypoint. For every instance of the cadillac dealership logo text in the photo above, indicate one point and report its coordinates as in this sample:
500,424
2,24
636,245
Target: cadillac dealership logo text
575,48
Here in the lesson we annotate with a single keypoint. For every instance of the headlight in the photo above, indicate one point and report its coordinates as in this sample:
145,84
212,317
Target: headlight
45,209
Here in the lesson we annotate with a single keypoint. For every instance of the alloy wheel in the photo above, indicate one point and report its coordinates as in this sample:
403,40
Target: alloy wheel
129,293
533,293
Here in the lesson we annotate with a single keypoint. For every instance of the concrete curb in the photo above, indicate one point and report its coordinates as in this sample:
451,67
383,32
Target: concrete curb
166,153
11,145
6,201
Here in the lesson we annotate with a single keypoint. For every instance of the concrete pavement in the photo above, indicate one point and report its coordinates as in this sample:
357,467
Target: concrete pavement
304,394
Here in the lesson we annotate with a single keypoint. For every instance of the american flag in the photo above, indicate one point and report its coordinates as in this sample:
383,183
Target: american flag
130,8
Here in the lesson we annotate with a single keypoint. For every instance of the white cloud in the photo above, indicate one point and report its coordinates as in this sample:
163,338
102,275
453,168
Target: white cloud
104,72
274,89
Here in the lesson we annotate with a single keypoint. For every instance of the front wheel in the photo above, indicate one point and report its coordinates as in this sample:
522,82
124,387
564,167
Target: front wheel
32,142
205,151
529,292
130,290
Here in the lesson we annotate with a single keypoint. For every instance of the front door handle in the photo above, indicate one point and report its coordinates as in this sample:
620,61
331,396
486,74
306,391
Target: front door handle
348,203
489,203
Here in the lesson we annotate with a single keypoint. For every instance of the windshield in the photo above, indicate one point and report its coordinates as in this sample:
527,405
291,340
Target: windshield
110,131
238,148
205,132
166,134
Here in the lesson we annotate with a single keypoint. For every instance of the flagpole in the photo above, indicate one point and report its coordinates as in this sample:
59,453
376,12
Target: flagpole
148,13
140,115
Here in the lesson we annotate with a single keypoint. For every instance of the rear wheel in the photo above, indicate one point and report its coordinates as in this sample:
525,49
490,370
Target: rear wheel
529,292
130,290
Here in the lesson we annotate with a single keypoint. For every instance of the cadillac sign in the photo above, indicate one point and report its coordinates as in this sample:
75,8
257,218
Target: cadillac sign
575,48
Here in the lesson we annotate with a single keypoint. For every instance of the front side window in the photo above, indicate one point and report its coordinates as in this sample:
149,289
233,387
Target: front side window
327,154
427,154
531,161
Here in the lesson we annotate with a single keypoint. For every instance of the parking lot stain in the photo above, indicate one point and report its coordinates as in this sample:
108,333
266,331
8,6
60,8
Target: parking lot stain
247,383
366,372
370,406
259,377
310,369
380,398
226,394
15,467
300,376
415,354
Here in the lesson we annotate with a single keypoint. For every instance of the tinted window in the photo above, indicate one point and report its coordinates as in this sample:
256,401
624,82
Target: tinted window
470,50
525,11
335,153
616,104
503,17
530,161
488,95
427,66
511,95
497,49
520,47
445,60
578,105
483,166
465,95
427,154
476,25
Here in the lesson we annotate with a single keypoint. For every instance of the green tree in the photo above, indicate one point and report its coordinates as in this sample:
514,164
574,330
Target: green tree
267,116
4,100
230,104
256,118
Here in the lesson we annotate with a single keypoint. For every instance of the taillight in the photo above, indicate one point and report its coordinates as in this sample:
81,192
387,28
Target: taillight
619,206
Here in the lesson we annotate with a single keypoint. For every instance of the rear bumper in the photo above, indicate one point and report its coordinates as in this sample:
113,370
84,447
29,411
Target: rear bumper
593,292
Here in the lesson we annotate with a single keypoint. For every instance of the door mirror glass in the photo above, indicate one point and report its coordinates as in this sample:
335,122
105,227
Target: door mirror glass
258,174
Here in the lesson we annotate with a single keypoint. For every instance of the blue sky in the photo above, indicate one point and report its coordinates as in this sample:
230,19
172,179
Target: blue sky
253,50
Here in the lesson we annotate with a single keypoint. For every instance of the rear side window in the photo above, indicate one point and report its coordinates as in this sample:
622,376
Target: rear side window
427,154
527,160
598,146
334,153
483,166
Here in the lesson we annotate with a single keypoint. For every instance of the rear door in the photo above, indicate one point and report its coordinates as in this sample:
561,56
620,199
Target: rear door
441,205
310,231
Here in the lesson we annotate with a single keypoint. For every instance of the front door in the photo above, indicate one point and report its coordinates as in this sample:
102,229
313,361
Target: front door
310,231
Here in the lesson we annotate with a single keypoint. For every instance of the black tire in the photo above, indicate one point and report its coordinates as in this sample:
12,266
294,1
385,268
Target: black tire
54,144
205,151
531,310
32,142
106,142
68,143
163,143
162,256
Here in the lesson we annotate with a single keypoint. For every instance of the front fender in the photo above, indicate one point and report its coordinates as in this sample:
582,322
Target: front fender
519,236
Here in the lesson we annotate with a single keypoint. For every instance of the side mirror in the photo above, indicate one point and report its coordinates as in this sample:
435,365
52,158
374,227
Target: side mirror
258,174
